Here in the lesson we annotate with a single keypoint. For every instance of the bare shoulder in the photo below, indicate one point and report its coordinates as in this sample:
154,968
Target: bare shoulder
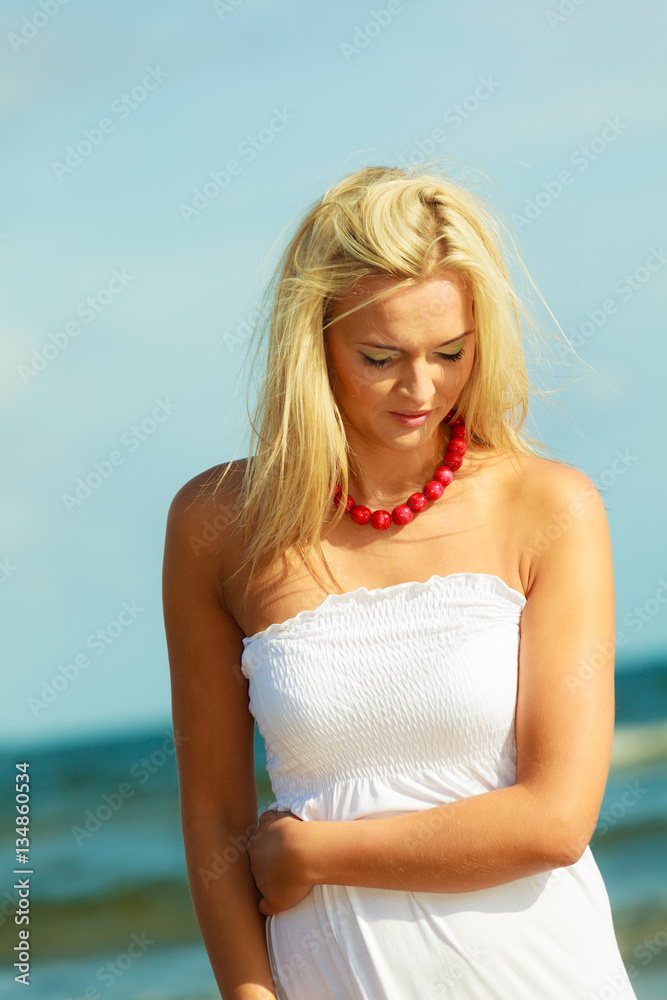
209,490
199,517
547,481
204,500
563,518
561,508
552,486
539,486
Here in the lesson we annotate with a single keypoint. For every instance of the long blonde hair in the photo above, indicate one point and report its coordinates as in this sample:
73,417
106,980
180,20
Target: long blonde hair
378,221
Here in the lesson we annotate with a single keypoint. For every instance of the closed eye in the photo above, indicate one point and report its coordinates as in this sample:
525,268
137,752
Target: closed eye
376,363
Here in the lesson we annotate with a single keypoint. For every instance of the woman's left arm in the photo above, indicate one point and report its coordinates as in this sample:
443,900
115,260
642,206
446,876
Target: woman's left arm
564,733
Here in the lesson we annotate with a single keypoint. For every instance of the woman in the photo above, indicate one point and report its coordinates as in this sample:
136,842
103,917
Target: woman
418,610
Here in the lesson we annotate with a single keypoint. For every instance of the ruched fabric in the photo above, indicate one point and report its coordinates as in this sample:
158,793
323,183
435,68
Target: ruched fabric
385,701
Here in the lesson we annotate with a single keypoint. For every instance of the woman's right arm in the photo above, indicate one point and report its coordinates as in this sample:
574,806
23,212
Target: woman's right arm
213,731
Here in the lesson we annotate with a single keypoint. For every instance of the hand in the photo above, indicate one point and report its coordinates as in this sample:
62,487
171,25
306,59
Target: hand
275,861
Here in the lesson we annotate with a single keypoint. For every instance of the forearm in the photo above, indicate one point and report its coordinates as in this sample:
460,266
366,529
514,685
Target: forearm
225,900
473,843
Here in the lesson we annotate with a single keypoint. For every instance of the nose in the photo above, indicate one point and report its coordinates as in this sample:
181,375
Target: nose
416,382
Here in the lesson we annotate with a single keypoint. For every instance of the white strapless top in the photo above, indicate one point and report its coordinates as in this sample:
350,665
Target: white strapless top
402,698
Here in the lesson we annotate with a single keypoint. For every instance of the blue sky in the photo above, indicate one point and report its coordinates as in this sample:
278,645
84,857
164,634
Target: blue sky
117,300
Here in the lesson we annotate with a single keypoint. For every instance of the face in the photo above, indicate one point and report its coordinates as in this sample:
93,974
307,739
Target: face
411,352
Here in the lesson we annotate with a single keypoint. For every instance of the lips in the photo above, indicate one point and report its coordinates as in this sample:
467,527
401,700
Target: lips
412,418
411,413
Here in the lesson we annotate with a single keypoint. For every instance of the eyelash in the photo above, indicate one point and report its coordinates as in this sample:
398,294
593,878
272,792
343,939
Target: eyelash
380,364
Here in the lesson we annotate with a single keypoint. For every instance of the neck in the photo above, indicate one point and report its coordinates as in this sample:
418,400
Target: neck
382,478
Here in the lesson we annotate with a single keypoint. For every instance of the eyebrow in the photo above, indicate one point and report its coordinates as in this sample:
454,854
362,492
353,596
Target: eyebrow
389,347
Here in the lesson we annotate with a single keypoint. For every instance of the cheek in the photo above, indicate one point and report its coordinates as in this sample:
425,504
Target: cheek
371,387
358,385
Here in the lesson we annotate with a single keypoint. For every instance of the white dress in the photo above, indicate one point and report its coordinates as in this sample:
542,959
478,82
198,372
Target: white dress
398,699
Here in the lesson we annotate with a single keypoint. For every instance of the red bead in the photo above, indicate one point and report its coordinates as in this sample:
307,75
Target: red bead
443,474
433,490
457,446
381,519
349,503
417,502
449,416
360,514
402,514
453,461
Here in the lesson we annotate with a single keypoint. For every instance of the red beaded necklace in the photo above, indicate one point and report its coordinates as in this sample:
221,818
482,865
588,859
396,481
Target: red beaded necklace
433,490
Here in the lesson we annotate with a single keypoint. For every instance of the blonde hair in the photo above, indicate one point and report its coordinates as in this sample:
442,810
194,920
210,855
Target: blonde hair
376,222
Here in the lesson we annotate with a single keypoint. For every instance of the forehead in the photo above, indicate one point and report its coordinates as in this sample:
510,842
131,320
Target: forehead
438,297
